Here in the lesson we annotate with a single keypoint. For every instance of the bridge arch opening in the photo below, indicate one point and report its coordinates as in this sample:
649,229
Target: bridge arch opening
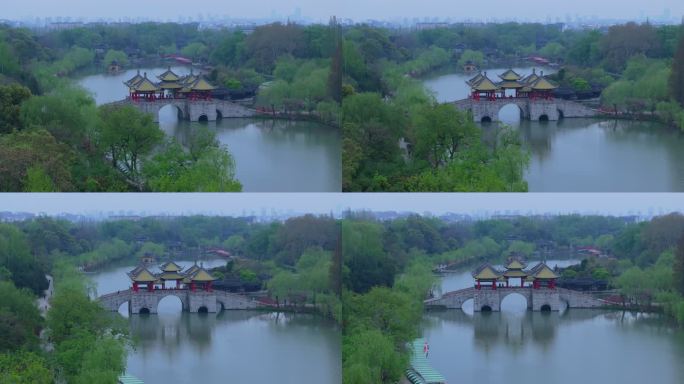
203,119
544,118
169,114
561,114
144,311
514,303
486,308
511,114
486,119
124,309
170,304
468,306
219,115
203,309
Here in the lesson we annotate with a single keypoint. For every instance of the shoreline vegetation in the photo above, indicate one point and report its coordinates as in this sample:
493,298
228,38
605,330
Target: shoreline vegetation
54,138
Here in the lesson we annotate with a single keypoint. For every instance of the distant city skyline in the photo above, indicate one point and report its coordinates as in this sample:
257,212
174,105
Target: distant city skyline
288,204
357,10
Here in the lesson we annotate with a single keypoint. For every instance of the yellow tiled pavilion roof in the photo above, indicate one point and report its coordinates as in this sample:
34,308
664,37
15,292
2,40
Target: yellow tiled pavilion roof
475,79
542,271
189,79
145,85
530,78
515,273
202,275
486,272
543,84
509,84
515,264
170,85
170,266
191,270
168,75
142,275
484,84
510,75
201,84
170,276
134,80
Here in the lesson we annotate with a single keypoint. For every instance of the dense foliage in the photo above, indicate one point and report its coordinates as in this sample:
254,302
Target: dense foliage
85,346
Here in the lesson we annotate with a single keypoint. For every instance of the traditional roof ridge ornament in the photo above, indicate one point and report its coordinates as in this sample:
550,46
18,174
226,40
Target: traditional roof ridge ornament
170,266
169,76
510,75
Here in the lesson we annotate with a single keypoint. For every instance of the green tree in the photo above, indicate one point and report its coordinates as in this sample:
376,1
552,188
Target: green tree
26,271
127,136
678,268
19,318
677,75
441,134
34,149
370,356
627,40
475,57
195,50
363,254
11,97
113,55
211,169
25,368
38,181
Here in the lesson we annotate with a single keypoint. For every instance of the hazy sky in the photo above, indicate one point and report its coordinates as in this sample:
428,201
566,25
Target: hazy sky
323,203
355,9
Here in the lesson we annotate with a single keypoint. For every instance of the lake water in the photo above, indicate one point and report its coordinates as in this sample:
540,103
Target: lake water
574,346
586,155
228,347
270,155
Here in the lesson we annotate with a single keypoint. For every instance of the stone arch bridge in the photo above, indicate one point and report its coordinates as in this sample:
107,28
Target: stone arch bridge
192,301
539,299
192,110
530,109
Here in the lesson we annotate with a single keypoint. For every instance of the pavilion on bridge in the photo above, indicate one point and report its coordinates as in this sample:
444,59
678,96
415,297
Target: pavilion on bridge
532,86
142,276
142,88
539,276
169,86
515,270
193,279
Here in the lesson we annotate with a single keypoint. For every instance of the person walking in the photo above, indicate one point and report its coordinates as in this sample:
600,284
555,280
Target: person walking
426,348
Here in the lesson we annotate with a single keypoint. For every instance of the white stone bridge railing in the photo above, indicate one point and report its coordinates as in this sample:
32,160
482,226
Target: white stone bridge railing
192,110
530,109
192,301
537,299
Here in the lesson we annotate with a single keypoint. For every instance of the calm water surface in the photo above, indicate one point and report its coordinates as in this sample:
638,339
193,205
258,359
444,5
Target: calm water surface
575,346
270,155
586,155
228,347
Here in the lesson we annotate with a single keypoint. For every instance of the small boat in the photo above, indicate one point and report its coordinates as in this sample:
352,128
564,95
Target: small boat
129,379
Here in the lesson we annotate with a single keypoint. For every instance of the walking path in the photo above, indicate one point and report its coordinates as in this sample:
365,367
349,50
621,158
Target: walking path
44,302
421,372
